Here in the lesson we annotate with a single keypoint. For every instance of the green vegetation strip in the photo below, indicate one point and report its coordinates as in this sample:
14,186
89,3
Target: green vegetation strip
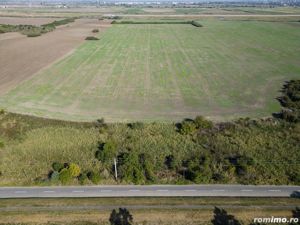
34,31
194,23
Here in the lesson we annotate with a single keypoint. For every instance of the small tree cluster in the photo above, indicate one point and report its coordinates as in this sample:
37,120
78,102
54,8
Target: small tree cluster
106,152
64,172
136,168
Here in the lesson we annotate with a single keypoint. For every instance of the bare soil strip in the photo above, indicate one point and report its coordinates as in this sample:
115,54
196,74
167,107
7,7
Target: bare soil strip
21,57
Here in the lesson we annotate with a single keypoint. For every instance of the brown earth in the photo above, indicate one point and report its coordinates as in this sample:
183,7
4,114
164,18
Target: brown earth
27,20
21,57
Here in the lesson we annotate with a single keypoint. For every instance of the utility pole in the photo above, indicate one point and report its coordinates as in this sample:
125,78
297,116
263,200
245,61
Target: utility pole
116,172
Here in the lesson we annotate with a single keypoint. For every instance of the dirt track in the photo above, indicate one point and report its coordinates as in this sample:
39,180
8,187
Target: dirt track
21,57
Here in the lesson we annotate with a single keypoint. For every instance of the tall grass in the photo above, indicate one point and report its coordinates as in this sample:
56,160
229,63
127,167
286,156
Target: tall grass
32,145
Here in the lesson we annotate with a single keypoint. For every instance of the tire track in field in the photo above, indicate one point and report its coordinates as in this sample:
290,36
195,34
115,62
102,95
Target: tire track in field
204,83
179,100
72,78
147,81
101,79
125,64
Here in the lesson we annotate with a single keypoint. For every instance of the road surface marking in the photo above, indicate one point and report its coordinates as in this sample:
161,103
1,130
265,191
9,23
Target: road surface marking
190,190
49,191
162,190
246,190
134,190
77,191
20,192
274,190
218,190
106,190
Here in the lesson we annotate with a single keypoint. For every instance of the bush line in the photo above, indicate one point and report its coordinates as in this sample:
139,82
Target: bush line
34,31
194,23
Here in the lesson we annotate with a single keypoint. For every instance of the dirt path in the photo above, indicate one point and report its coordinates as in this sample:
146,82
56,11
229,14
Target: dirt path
21,57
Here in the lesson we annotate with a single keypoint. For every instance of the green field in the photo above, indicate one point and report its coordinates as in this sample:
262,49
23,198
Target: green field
224,70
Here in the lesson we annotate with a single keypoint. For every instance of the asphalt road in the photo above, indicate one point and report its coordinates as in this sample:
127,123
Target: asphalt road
150,190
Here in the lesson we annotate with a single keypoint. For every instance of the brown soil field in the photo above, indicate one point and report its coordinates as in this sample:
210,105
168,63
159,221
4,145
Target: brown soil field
21,57
26,20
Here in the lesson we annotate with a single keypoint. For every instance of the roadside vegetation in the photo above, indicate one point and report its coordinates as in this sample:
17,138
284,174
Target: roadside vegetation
246,151
32,30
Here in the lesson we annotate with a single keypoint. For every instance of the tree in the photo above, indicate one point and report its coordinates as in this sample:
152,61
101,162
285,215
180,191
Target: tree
74,170
107,151
222,218
296,214
130,168
148,166
123,217
198,169
290,100
57,166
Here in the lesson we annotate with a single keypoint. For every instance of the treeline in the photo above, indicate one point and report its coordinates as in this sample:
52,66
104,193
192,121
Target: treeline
290,100
34,31
194,23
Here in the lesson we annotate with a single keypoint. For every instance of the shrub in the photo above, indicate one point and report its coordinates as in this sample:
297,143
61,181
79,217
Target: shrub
136,125
172,162
187,127
33,34
95,30
83,178
65,176
201,122
94,177
1,143
57,166
74,170
196,24
54,177
91,38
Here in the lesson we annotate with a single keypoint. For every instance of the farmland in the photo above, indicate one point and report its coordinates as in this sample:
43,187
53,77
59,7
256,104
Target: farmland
224,70
22,57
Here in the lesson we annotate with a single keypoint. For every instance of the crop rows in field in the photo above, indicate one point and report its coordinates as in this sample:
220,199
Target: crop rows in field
167,72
